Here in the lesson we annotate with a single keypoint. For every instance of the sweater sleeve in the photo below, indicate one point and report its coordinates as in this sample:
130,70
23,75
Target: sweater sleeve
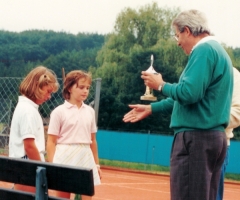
235,107
164,106
194,80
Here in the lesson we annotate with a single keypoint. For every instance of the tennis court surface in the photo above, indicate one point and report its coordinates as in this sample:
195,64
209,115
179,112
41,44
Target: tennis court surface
130,185
127,185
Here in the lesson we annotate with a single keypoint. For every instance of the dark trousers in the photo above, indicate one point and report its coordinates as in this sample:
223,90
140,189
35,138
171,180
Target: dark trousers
222,175
196,160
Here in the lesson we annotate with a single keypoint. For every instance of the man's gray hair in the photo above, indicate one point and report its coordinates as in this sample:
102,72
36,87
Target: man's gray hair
194,20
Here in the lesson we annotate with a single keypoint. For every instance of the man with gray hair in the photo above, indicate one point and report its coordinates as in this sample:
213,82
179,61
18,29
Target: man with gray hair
200,106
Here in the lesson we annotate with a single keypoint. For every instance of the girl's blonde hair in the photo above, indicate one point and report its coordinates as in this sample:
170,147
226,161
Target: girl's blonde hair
32,84
72,78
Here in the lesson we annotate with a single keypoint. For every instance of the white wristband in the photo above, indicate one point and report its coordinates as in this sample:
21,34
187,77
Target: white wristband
98,166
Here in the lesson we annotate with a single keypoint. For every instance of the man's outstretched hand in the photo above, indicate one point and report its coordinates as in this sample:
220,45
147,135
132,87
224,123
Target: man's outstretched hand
137,113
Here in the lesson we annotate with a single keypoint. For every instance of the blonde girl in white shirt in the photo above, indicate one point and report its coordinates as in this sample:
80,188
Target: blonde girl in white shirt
27,133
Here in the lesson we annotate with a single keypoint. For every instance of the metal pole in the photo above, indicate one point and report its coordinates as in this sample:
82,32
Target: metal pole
41,184
97,97
153,148
9,113
147,149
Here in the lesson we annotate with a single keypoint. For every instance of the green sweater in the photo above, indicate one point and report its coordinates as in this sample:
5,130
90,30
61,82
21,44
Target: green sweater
201,100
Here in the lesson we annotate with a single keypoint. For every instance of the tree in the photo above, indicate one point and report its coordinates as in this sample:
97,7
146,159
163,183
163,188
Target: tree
53,49
127,51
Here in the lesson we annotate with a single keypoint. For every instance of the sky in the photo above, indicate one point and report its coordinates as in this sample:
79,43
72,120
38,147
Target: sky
98,16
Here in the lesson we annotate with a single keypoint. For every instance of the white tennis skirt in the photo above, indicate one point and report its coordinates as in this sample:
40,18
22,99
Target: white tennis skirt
78,155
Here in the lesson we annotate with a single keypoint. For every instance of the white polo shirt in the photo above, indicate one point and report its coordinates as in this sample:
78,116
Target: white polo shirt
72,124
26,123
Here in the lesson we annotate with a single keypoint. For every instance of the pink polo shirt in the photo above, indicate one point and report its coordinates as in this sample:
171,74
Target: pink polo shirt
72,124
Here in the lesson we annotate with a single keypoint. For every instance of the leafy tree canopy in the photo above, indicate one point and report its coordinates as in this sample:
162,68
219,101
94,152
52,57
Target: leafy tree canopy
138,34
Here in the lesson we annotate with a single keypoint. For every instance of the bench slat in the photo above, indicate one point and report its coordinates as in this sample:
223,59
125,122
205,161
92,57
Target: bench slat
59,177
15,194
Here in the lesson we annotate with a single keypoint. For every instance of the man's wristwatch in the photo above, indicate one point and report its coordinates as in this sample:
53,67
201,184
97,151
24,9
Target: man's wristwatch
160,87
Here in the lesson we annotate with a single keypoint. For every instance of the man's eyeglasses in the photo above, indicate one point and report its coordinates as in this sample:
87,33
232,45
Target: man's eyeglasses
175,37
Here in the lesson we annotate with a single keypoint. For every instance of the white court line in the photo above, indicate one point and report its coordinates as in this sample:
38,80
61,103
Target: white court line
158,191
121,183
100,198
232,190
131,177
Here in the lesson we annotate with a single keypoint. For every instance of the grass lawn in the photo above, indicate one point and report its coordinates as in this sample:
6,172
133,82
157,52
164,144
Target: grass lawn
153,168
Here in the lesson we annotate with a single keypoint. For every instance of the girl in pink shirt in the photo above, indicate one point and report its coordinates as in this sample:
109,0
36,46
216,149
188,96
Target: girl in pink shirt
72,129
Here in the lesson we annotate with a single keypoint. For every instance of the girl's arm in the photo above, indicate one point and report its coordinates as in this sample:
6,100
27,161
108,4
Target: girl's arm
31,149
51,147
94,148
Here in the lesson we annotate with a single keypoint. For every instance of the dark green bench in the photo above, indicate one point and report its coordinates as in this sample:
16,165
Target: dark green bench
43,176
